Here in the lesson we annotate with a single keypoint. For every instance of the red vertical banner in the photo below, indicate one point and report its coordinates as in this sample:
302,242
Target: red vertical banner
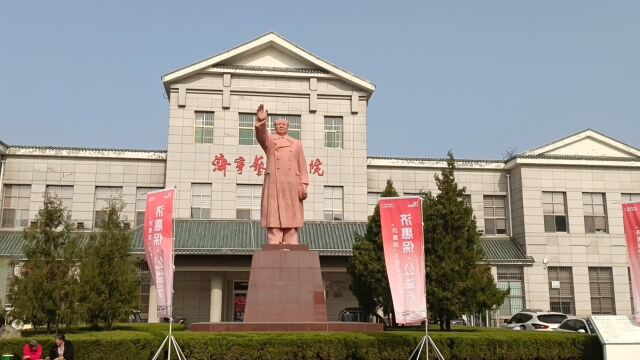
158,247
403,241
631,215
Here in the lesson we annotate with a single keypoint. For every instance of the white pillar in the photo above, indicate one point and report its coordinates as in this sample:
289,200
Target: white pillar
215,307
153,305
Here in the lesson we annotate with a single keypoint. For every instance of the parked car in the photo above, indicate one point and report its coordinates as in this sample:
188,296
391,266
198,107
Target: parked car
534,319
359,315
583,326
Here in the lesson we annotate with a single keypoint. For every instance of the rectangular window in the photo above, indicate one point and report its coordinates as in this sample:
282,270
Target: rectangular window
145,287
141,203
630,198
333,196
372,201
561,297
204,127
103,197
333,132
248,201
15,205
595,214
247,130
200,201
511,278
64,193
495,214
601,287
554,206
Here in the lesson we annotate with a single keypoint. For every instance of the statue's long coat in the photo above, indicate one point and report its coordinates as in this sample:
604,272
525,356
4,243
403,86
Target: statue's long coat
286,170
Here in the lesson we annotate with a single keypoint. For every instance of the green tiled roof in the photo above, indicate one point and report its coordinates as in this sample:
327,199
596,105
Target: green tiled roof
243,237
240,237
504,251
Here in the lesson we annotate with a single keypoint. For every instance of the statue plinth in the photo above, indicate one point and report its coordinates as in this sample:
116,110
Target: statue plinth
285,286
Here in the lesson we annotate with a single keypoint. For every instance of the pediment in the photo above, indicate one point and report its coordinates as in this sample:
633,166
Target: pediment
587,143
269,51
270,56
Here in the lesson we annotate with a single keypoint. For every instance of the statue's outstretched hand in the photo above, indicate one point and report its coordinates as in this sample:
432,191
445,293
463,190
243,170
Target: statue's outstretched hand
261,113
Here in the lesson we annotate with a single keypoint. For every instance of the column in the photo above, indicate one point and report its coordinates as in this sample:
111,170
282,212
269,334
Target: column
153,305
215,307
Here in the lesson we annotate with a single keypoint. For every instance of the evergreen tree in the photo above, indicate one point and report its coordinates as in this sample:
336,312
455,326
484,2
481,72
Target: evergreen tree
367,267
108,279
45,290
457,280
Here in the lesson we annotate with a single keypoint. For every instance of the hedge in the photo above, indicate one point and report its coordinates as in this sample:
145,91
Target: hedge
141,342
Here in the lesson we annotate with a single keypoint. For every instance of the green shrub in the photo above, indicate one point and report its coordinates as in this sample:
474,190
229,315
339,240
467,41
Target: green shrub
140,341
101,345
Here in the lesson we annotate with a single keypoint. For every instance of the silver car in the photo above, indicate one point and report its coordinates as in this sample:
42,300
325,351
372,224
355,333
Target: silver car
535,320
583,326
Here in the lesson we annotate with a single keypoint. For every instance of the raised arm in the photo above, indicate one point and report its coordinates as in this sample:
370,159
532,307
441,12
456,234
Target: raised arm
262,135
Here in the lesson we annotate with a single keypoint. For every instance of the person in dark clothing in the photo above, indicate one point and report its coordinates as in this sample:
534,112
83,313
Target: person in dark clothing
62,350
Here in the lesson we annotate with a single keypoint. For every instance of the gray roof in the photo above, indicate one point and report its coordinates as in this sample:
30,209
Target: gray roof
243,237
270,69
74,148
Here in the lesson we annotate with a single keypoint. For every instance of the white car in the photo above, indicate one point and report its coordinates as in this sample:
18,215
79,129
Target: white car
535,320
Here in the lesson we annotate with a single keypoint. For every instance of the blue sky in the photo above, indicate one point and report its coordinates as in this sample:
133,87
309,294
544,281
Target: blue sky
476,77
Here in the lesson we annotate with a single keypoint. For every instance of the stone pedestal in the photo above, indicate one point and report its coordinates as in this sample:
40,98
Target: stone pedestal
285,286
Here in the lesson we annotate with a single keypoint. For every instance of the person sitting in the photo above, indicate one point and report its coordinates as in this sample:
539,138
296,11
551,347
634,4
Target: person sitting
61,350
32,351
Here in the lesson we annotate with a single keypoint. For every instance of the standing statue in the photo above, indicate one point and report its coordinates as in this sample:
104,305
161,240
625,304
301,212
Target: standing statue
285,181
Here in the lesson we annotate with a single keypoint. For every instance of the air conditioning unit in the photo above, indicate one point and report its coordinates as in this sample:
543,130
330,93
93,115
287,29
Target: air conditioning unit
126,225
80,225
33,224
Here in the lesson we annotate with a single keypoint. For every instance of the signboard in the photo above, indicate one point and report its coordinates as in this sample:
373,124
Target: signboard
403,241
631,216
158,247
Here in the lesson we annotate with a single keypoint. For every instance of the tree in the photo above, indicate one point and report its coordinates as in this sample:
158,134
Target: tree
45,290
108,279
457,280
367,266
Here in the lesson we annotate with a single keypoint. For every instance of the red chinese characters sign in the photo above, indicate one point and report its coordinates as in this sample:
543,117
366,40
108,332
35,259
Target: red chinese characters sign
158,246
631,215
403,241
221,164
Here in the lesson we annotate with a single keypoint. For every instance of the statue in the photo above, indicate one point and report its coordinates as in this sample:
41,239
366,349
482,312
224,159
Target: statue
285,181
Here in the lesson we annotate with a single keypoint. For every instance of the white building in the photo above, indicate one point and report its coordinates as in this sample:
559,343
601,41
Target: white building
551,217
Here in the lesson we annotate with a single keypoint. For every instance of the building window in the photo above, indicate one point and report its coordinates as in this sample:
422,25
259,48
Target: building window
595,215
247,130
601,287
511,278
372,202
200,201
630,198
333,203
11,270
248,201
204,127
15,205
561,290
103,198
145,287
141,203
495,215
63,193
333,132
555,212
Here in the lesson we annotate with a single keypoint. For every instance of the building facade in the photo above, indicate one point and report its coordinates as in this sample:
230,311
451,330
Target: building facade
550,218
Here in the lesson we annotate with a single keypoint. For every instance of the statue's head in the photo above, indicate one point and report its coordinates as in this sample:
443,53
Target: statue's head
282,126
